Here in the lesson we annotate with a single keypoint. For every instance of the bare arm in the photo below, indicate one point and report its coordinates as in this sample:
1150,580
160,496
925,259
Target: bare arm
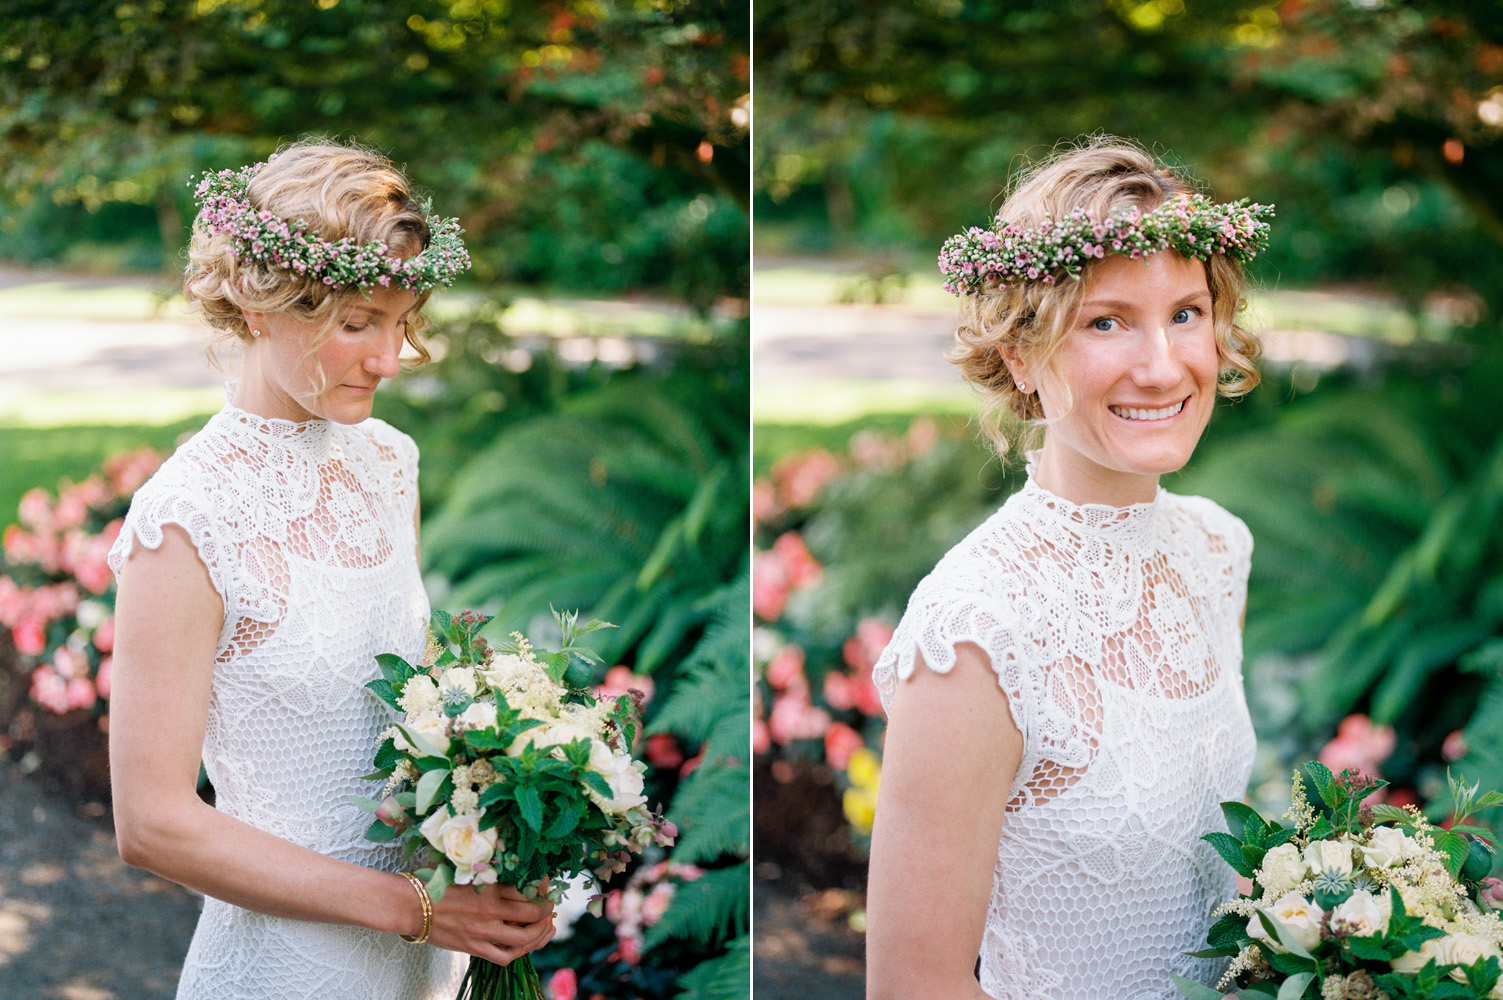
951,753
167,619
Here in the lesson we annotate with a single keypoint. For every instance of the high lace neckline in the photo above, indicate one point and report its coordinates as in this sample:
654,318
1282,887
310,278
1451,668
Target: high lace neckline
311,436
1101,519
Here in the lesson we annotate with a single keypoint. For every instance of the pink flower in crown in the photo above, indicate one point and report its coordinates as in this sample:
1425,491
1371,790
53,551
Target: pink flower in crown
840,742
49,690
30,637
563,985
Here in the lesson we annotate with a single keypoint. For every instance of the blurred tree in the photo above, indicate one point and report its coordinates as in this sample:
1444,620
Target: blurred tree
617,117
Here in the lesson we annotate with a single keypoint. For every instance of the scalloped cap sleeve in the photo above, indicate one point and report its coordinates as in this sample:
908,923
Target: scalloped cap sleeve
161,502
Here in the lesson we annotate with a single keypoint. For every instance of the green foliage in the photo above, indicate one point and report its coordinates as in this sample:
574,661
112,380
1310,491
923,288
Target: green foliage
710,909
722,978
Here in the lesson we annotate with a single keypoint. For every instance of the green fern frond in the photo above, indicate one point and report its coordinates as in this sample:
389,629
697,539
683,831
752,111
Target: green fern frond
725,977
708,910
713,812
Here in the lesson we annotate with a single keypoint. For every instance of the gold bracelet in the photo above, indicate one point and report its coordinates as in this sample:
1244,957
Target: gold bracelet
422,892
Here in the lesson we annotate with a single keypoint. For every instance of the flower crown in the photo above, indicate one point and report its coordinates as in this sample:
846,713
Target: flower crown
225,207
1196,227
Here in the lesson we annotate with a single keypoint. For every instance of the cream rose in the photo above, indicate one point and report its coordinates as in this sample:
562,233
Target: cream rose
419,695
556,733
1362,914
1465,949
428,725
480,715
1413,961
1385,847
459,678
1329,856
1300,918
624,776
503,667
463,842
1283,869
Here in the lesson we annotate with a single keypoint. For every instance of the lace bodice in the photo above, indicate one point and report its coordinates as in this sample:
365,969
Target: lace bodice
306,530
1115,634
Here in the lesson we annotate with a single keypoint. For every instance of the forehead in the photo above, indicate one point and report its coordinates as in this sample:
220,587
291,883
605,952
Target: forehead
1159,276
383,301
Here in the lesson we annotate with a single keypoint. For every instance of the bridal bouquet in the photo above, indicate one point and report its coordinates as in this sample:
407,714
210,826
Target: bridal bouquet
1360,902
502,770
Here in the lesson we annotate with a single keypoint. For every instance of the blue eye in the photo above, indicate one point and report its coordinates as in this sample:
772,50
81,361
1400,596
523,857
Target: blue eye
1104,324
1185,315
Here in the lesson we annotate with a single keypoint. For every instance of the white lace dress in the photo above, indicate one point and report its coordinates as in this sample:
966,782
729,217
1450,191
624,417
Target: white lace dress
306,530
1115,634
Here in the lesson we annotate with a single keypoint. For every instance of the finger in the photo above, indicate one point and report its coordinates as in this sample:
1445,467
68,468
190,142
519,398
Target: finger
495,954
518,912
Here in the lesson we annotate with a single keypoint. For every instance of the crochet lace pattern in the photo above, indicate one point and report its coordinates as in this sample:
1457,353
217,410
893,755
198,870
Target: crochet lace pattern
306,530
1115,634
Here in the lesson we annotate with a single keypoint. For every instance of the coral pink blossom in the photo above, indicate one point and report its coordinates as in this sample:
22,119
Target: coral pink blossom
15,603
922,434
769,586
563,985
663,751
30,637
1359,745
1454,748
104,635
793,717
800,568
656,903
81,693
35,510
1492,893
69,664
761,738
619,680
786,670
631,949
49,690
801,477
765,502
102,678
870,448
862,650
689,767
840,742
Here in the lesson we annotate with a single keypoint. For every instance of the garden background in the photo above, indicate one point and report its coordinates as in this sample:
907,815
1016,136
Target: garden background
1369,464
583,431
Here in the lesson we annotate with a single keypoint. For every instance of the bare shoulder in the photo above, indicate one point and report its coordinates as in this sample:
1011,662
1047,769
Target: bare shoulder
172,572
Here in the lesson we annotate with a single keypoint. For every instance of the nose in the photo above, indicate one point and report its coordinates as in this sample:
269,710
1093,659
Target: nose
1159,366
385,358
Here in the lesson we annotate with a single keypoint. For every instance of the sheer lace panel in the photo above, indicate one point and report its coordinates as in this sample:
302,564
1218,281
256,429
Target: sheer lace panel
1115,634
306,530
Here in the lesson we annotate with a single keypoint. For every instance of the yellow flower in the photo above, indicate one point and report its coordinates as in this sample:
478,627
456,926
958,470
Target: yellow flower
860,807
865,770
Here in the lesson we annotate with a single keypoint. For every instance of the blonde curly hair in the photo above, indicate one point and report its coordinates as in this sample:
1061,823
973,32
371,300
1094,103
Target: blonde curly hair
1103,175
342,190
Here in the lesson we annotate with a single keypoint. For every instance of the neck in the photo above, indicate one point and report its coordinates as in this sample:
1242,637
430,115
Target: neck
257,394
1092,484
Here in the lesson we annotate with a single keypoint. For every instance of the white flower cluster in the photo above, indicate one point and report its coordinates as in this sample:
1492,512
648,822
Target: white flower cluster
1382,857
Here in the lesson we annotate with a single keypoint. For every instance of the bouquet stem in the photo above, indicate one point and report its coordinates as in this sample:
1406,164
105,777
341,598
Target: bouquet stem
488,981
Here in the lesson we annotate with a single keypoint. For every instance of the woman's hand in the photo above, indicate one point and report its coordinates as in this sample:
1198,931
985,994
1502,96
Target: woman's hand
495,923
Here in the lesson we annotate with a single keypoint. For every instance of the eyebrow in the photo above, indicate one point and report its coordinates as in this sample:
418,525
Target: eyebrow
1123,306
375,311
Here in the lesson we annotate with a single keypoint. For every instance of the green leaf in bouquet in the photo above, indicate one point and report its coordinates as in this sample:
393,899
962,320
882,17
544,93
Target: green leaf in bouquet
1254,855
1373,948
375,776
439,622
1262,988
568,818
383,690
1294,987
1229,931
531,805
479,740
556,664
445,657
497,793
1322,830
1280,836
599,784
1193,990
395,669
365,804
1482,975
1289,964
428,787
1385,813
1324,782
1243,821
438,884
378,832
387,755
1230,849
1454,847
424,748
1226,952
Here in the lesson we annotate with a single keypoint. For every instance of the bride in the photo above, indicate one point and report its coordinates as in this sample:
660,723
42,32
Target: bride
260,571
1064,691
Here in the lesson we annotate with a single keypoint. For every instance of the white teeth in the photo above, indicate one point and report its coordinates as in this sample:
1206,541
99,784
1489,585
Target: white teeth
1135,414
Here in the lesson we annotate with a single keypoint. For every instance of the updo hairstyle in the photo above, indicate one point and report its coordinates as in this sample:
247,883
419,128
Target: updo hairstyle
1103,176
341,191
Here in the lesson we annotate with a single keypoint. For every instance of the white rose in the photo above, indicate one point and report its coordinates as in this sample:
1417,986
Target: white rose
503,667
480,715
1362,914
1329,856
1465,949
459,678
1283,869
1385,847
419,695
1300,918
558,732
463,842
1413,961
430,726
623,774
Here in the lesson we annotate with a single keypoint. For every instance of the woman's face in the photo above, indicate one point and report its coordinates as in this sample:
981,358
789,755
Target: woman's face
337,380
1133,381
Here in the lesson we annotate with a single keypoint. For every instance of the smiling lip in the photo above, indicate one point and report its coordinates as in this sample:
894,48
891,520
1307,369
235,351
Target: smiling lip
1148,414
360,388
